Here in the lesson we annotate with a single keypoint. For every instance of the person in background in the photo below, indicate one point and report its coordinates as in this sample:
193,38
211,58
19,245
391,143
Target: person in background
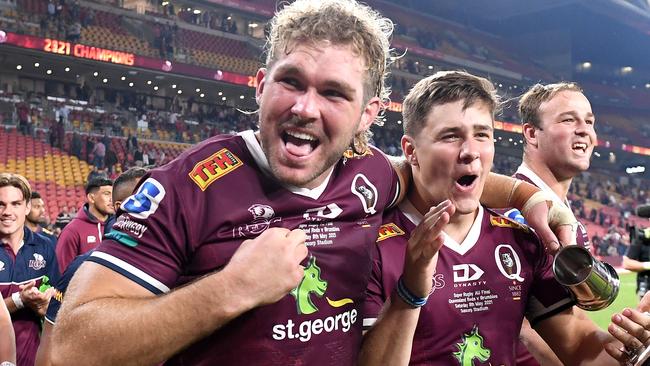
86,230
36,219
28,266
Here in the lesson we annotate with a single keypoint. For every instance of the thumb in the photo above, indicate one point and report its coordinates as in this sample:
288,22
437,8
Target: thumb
644,304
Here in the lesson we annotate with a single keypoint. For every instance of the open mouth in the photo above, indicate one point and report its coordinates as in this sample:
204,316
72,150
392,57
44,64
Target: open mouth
466,180
299,143
579,146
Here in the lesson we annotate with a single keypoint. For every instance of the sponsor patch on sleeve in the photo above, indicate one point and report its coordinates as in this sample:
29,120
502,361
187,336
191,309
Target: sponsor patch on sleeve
388,231
207,171
122,238
501,221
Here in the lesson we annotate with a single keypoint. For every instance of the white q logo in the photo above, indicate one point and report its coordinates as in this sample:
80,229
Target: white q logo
515,271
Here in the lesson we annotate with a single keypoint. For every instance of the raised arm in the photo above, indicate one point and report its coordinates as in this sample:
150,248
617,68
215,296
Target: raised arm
553,224
390,340
108,319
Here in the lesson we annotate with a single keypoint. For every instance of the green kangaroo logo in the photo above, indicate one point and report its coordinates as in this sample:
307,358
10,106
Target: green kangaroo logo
471,348
311,283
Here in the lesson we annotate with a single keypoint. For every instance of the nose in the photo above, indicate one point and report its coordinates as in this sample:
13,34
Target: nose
306,105
469,152
582,127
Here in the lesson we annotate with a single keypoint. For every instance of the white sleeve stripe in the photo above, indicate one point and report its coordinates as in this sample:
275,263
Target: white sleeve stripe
369,322
22,282
131,270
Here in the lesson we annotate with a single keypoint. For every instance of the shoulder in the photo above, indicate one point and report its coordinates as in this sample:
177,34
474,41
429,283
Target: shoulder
206,162
497,220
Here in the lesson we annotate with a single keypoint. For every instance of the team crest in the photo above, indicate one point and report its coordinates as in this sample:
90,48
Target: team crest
366,191
263,217
38,262
508,262
388,231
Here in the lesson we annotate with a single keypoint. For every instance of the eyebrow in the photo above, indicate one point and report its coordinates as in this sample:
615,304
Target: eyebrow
575,114
293,70
476,127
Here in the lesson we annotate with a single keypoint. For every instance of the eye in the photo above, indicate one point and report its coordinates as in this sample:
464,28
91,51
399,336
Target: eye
568,120
590,122
331,93
290,82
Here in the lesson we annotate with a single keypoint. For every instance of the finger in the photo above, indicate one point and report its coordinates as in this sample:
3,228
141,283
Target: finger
631,323
629,341
431,227
615,352
27,285
548,238
297,236
566,234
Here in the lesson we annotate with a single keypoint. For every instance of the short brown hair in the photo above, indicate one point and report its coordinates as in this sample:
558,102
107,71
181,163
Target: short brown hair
17,181
446,87
532,99
340,22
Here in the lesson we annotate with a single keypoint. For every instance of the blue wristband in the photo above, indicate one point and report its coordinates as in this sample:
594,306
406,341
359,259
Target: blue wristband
408,297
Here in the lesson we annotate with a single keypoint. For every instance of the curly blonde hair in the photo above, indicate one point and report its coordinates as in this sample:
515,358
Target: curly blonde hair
340,22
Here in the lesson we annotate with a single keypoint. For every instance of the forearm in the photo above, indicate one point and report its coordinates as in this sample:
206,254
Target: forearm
501,191
390,340
635,265
11,306
145,330
576,340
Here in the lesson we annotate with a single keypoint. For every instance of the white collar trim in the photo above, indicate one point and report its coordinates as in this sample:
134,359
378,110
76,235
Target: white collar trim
256,151
468,243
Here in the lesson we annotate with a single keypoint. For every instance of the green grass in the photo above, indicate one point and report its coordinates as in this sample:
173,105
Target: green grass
626,298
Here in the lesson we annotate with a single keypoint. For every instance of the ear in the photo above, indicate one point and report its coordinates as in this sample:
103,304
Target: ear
408,147
530,134
90,197
28,204
260,78
369,114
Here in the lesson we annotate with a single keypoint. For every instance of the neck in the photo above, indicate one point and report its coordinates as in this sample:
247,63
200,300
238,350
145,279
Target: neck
15,240
559,185
459,224
33,226
101,217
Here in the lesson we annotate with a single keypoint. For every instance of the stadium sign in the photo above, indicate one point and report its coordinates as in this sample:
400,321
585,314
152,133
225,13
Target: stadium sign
88,52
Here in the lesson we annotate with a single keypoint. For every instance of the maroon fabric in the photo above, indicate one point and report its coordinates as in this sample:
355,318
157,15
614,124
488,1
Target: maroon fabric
82,234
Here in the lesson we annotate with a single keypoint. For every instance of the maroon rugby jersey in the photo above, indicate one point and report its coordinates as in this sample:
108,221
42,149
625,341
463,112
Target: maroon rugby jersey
524,358
188,217
483,288
526,174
